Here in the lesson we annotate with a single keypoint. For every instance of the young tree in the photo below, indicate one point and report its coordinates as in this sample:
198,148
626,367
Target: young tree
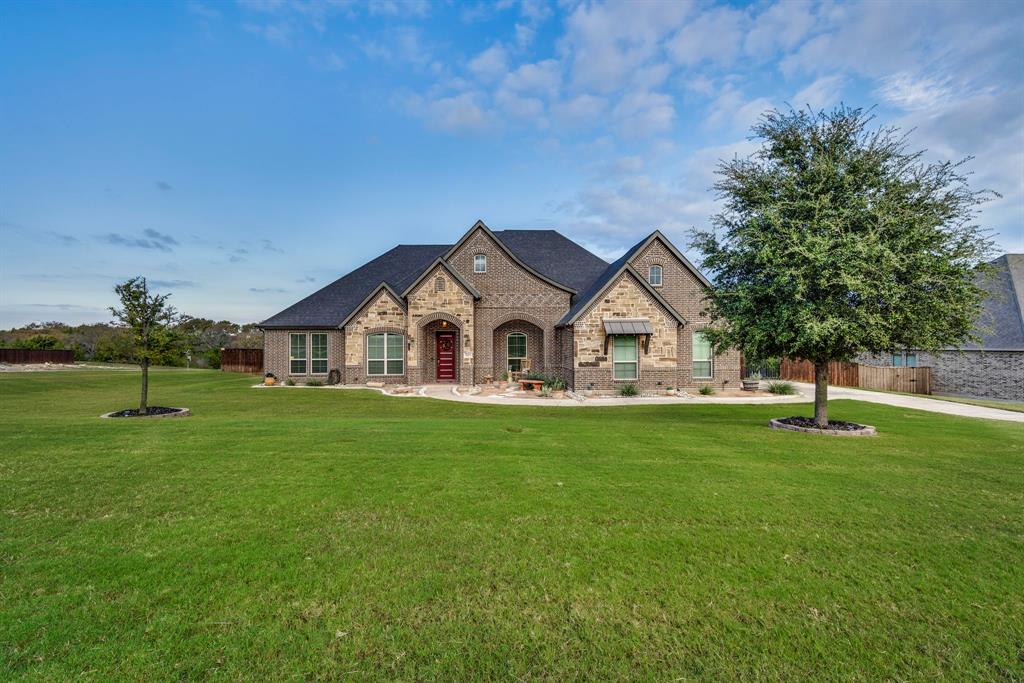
835,240
150,321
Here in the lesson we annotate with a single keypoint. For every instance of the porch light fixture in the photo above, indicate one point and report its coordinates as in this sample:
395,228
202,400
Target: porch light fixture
444,323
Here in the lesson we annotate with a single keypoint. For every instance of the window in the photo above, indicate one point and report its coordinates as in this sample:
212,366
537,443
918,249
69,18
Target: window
318,353
385,354
297,355
654,275
439,284
702,363
904,360
480,263
624,357
516,345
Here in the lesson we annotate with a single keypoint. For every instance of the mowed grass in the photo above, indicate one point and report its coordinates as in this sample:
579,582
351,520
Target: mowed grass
343,535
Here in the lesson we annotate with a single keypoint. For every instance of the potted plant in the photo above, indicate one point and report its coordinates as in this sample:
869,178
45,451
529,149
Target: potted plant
269,379
752,382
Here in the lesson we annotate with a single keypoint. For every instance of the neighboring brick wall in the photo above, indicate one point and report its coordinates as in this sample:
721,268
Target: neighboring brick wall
982,374
626,299
277,347
428,305
383,314
507,292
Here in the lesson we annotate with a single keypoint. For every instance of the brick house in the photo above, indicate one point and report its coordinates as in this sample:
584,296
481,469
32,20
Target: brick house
505,300
993,368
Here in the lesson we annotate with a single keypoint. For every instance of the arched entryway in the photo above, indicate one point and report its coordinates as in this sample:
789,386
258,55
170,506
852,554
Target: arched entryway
518,345
440,350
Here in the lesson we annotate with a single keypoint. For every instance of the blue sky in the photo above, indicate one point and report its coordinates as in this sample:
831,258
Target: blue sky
241,155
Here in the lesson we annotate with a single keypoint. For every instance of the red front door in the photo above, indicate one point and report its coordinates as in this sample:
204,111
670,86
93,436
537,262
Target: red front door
445,356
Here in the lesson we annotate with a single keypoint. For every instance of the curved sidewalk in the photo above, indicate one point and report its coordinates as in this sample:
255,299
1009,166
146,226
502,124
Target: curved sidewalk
932,405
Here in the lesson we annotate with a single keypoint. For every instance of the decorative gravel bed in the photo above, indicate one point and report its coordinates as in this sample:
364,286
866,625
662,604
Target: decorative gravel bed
835,427
153,411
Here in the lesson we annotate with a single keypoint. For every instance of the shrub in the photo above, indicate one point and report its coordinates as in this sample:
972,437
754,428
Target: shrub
315,383
545,391
269,374
554,384
706,390
782,388
628,390
290,382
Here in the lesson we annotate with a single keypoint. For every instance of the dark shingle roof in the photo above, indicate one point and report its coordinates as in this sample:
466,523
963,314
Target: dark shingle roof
1001,325
554,256
330,306
546,251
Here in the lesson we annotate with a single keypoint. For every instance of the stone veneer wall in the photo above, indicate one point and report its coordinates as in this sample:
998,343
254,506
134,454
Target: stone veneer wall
277,348
383,314
508,292
427,305
981,374
625,299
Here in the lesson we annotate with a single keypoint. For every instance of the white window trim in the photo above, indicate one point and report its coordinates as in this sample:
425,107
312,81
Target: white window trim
636,363
693,359
476,261
327,351
386,359
291,358
526,351
661,275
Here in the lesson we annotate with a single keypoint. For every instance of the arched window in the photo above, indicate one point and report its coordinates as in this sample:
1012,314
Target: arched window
480,263
385,354
515,344
654,275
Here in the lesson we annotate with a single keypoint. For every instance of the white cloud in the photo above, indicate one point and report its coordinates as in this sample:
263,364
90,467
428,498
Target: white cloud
606,43
781,26
491,64
822,93
642,114
715,35
461,113
913,93
541,77
579,110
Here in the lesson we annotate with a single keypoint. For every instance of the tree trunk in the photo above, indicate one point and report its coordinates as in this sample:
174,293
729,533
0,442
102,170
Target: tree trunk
143,409
821,394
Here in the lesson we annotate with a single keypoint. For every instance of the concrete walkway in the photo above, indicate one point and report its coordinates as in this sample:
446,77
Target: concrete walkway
932,405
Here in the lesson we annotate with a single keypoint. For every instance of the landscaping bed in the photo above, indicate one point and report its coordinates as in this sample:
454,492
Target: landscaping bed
834,428
152,411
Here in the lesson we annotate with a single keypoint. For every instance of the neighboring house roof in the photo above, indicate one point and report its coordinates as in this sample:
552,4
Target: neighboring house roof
1001,324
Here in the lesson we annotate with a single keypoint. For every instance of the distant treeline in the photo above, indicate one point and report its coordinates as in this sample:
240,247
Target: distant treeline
104,342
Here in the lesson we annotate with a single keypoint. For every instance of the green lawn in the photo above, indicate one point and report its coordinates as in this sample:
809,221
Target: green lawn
343,535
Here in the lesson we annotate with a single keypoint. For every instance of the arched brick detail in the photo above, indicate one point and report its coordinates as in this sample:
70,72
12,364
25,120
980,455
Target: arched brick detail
431,317
379,329
518,315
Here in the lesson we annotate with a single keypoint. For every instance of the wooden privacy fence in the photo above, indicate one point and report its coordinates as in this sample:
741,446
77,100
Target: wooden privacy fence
906,380
839,374
23,356
241,360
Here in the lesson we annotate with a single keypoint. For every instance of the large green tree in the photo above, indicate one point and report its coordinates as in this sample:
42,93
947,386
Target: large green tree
151,322
836,240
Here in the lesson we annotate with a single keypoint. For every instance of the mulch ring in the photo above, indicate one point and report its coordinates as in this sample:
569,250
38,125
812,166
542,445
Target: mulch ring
835,427
152,411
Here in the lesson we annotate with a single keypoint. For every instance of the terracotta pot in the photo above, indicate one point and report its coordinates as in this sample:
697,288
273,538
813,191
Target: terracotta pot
269,381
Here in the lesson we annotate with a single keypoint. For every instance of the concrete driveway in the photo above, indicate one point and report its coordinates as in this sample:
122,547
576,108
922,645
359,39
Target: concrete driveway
932,405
